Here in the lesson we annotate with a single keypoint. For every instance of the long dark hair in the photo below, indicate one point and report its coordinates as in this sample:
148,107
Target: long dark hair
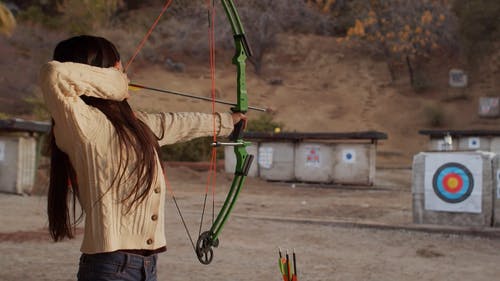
131,132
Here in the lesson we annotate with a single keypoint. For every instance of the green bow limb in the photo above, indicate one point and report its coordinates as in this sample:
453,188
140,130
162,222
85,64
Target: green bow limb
210,239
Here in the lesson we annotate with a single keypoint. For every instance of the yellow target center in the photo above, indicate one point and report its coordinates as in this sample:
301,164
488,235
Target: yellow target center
452,183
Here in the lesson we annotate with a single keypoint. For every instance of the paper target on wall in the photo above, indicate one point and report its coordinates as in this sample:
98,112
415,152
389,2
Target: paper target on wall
498,184
349,156
453,183
266,157
313,156
474,143
2,151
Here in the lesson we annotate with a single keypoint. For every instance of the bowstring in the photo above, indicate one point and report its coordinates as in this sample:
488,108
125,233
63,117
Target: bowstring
172,194
212,173
148,34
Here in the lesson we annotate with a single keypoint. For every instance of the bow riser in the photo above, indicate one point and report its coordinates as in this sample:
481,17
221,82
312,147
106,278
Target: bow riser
240,61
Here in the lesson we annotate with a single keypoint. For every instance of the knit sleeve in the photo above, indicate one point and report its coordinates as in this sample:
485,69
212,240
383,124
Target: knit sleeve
180,127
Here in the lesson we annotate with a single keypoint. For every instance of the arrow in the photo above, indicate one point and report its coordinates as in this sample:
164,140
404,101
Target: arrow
288,266
294,276
283,266
134,86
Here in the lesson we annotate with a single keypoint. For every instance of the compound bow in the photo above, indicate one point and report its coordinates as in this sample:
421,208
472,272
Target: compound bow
209,239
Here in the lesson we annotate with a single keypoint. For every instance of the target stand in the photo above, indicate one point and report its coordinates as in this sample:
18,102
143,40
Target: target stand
496,191
453,188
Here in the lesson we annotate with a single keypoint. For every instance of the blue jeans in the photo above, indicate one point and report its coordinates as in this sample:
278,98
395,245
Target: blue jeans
117,266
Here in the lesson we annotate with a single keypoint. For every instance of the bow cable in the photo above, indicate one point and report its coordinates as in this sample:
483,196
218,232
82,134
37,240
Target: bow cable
143,41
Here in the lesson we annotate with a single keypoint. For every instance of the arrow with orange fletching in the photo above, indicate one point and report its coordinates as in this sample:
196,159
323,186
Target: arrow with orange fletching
288,268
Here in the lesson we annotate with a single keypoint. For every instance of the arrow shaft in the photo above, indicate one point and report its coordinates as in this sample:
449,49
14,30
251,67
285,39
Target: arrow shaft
190,96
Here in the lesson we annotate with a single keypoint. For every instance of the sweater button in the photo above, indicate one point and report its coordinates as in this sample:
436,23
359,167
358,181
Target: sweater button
154,217
157,190
149,242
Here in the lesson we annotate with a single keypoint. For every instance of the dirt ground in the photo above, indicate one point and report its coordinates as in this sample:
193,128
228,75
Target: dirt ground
336,232
339,233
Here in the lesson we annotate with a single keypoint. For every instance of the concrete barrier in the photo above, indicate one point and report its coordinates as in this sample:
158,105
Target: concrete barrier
341,158
230,159
281,166
496,191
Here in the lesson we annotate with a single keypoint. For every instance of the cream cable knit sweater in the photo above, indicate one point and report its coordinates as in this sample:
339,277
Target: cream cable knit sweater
90,141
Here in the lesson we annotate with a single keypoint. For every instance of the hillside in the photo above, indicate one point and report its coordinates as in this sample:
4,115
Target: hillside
326,87
329,88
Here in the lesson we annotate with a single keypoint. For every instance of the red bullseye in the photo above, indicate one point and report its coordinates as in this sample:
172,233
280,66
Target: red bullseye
452,183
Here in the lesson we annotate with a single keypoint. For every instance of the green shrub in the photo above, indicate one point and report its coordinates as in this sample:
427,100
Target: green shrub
421,82
435,116
199,149
38,108
4,115
263,124
194,150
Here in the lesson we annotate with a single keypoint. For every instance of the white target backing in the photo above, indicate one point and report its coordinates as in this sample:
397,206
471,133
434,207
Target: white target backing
453,183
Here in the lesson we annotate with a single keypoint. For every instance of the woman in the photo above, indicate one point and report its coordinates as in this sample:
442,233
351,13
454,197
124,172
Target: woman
107,155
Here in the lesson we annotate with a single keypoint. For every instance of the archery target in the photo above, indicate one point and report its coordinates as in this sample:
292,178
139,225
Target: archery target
453,182
349,156
498,184
474,143
2,151
313,156
266,157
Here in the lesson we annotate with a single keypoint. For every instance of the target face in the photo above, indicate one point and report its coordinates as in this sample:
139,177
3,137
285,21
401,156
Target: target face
349,156
474,143
453,182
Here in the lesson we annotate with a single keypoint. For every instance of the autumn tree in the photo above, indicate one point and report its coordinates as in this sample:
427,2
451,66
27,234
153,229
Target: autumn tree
405,30
7,21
